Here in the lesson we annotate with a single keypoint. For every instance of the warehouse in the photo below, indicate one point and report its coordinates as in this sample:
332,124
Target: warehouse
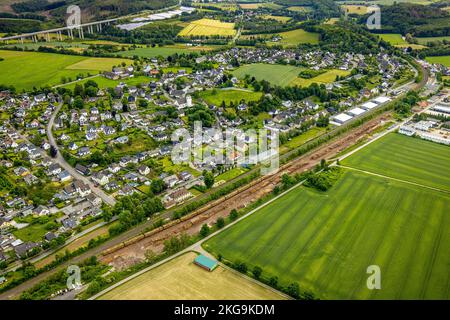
356,112
368,105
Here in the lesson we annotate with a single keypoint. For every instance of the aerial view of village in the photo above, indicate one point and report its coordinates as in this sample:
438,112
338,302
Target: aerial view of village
224,150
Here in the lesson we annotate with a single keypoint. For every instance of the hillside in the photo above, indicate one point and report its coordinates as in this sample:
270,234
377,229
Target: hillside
418,20
55,10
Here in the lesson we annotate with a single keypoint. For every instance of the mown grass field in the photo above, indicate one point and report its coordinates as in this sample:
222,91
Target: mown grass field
445,60
180,279
296,37
277,18
425,40
324,78
253,6
393,38
216,97
405,158
208,27
27,69
326,241
300,8
276,74
355,9
108,83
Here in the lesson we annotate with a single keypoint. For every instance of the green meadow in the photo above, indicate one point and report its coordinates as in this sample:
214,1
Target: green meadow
405,158
161,51
325,241
275,73
217,96
26,70
445,60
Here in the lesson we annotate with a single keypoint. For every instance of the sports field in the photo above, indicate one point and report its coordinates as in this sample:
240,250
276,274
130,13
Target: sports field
405,158
326,240
445,60
180,279
276,74
208,27
27,69
216,97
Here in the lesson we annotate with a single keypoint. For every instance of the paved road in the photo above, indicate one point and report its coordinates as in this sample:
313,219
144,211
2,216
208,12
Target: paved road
66,166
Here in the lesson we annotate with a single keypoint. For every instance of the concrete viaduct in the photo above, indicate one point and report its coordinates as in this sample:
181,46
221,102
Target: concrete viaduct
71,32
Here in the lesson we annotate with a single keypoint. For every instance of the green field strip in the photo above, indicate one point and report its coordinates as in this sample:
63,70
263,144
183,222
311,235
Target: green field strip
325,241
405,158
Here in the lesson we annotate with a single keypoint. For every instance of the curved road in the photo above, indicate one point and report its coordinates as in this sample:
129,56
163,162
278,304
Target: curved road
59,159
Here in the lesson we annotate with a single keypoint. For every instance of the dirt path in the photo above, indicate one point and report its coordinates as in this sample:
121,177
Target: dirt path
135,251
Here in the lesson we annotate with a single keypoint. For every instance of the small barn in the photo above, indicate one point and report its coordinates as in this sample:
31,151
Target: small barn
205,263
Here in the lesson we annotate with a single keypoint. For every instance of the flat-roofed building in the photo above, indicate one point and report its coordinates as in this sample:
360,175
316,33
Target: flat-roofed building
356,111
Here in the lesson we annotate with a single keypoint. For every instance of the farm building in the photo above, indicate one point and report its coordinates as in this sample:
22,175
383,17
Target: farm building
356,111
205,263
369,105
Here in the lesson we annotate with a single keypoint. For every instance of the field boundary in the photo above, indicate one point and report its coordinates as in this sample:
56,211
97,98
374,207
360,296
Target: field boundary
394,179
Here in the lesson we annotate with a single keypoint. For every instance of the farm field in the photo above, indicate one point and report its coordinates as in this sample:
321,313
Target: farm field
298,36
326,77
277,18
181,279
25,70
405,158
425,40
108,83
301,139
388,2
325,241
445,60
208,27
216,97
355,9
277,74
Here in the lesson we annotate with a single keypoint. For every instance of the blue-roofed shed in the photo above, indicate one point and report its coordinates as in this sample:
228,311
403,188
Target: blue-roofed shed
205,262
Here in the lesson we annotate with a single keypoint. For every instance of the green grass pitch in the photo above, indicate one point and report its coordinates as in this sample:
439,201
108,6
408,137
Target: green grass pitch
326,241
405,158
